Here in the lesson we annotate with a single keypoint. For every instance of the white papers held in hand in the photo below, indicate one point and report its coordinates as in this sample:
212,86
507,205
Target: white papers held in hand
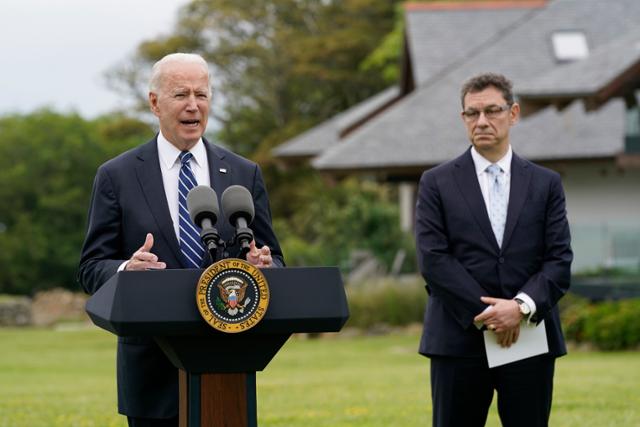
531,342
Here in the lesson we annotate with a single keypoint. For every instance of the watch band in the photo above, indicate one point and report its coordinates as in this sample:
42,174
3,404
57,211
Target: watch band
524,307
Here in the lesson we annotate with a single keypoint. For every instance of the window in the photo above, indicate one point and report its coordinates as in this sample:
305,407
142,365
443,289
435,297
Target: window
569,45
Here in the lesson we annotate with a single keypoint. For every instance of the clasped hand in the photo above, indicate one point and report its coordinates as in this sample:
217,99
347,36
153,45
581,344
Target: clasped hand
503,317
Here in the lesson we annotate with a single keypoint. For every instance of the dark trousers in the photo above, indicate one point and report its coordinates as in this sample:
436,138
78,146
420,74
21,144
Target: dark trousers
152,422
462,391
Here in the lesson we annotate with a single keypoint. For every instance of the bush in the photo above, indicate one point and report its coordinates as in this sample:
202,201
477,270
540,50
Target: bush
614,325
609,325
327,224
574,310
386,301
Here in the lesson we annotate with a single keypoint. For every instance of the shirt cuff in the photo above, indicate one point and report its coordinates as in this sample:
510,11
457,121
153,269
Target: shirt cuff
530,303
122,266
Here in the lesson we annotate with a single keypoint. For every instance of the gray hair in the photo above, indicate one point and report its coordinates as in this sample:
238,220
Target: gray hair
482,81
158,68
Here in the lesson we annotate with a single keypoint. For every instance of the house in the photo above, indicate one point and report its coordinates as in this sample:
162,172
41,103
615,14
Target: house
575,65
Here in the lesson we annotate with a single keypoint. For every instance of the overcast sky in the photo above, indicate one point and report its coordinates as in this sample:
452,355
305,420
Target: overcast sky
55,52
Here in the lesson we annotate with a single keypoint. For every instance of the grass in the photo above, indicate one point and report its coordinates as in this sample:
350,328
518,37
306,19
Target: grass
66,378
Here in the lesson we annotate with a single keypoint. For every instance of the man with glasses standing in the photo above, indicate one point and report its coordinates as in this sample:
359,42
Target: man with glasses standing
494,248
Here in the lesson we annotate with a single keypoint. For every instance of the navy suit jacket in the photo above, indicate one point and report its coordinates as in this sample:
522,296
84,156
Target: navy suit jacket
461,261
128,201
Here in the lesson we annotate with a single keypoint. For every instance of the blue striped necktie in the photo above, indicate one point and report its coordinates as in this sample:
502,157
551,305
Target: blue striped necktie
190,243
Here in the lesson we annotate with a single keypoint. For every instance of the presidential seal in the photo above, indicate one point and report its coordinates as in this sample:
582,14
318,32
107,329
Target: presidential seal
232,295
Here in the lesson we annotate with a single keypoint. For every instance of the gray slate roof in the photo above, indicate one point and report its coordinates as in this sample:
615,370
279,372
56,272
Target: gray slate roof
424,128
440,40
327,134
589,76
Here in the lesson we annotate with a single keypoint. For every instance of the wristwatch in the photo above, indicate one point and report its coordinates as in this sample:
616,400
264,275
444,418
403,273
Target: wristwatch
524,307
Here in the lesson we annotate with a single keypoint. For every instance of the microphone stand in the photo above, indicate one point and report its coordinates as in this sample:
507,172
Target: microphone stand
217,247
244,235
212,242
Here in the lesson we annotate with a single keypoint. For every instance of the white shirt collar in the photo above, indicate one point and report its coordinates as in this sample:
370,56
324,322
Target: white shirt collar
170,155
482,163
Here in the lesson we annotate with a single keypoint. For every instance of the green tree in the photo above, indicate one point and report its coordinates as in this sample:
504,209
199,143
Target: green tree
278,65
47,164
327,224
385,58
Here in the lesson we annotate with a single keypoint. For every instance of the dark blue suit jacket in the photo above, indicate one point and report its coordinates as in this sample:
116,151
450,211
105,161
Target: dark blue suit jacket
128,201
460,259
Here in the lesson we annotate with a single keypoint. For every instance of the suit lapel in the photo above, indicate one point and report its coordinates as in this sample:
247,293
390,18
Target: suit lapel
219,170
150,178
520,179
221,175
467,180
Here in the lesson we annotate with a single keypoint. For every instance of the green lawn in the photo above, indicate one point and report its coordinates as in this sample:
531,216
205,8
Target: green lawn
67,378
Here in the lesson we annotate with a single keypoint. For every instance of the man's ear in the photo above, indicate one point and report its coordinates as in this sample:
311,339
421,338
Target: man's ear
514,113
153,103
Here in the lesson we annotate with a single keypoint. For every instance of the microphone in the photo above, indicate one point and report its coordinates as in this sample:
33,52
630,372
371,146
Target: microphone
237,205
202,204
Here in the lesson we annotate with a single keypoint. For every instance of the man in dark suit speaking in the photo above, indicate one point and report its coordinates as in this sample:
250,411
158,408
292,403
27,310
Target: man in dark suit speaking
494,248
138,221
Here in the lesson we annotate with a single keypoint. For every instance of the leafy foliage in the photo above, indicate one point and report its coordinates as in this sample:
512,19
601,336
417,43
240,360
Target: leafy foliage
326,224
608,325
388,301
277,64
385,58
47,164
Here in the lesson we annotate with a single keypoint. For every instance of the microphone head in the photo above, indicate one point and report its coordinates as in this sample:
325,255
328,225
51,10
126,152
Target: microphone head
202,202
237,202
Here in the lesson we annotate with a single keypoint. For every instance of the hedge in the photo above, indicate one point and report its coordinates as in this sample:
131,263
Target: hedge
386,301
609,325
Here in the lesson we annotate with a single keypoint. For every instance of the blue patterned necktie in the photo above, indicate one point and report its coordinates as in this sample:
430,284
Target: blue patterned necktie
497,201
190,243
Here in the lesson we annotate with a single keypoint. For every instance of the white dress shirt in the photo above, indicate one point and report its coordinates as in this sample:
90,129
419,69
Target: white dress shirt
481,165
170,165
169,157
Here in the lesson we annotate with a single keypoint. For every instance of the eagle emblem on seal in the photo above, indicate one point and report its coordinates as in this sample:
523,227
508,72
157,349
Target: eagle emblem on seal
232,292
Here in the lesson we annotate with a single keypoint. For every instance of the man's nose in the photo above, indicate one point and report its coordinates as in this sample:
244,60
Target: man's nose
482,120
192,105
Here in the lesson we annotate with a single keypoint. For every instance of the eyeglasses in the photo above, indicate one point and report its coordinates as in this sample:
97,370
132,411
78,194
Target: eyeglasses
491,112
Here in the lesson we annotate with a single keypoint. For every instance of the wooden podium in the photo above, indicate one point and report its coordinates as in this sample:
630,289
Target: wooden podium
217,370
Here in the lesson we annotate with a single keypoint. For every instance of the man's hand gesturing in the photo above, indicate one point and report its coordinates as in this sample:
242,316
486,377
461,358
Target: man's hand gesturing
144,259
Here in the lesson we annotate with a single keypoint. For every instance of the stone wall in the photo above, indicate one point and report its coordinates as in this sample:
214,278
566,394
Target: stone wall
44,309
15,311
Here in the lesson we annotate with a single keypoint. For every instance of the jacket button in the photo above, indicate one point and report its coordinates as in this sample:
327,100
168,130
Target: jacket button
501,260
